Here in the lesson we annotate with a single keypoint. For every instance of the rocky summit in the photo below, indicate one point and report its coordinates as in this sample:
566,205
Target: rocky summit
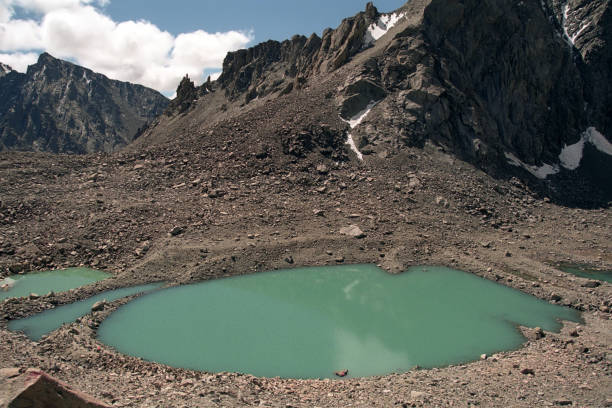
60,107
461,133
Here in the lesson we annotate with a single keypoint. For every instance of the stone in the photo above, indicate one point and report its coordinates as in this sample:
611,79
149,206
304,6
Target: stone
591,284
527,371
34,296
539,333
563,402
483,356
442,202
322,169
341,373
289,260
353,231
215,193
417,395
176,231
318,213
99,306
37,389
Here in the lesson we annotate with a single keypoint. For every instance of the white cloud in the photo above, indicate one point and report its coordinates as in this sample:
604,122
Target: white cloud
135,51
19,61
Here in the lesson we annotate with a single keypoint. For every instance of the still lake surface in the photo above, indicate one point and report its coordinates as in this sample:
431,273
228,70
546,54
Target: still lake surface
41,324
585,272
311,322
42,283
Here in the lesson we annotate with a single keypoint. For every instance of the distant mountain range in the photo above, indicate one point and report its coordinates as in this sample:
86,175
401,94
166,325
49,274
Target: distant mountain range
60,107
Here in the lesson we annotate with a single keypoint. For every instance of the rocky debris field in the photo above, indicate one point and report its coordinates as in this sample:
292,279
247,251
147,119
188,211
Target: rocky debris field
179,216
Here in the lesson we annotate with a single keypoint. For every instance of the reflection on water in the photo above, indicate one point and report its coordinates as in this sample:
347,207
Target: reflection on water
311,322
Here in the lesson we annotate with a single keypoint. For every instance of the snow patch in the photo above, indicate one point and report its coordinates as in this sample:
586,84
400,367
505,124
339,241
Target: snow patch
381,26
87,80
571,155
540,172
571,39
355,121
582,28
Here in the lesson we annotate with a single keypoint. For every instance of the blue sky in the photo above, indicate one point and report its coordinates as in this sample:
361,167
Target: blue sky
269,19
156,43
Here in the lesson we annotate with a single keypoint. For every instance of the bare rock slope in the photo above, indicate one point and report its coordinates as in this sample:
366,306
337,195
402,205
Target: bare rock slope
516,88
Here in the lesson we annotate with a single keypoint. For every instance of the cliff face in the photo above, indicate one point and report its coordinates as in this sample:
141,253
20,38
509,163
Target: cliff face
60,107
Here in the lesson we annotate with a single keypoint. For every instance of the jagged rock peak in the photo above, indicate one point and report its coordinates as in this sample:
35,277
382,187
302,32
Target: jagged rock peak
371,11
186,94
246,73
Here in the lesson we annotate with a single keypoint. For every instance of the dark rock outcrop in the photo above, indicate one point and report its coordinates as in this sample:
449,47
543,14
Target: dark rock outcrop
186,94
4,69
60,107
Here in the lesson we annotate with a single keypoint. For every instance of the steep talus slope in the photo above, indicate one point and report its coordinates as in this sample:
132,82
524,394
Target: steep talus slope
63,108
516,88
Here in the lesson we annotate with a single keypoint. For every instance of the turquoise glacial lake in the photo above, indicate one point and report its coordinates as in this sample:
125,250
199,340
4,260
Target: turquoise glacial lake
41,324
585,272
42,283
312,322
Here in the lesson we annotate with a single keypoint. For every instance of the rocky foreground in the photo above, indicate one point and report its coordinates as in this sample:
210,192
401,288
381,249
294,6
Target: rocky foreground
182,218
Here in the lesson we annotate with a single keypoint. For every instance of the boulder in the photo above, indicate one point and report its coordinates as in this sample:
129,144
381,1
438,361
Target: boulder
98,306
353,231
37,389
341,373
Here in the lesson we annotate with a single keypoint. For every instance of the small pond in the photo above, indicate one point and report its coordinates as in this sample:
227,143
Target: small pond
52,281
45,322
312,322
586,272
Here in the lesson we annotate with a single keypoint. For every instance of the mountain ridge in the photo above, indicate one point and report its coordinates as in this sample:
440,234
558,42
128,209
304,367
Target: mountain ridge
60,107
497,84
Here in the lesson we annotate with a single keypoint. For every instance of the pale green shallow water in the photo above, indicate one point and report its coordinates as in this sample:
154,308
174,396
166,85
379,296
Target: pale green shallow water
52,281
585,272
310,322
45,322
